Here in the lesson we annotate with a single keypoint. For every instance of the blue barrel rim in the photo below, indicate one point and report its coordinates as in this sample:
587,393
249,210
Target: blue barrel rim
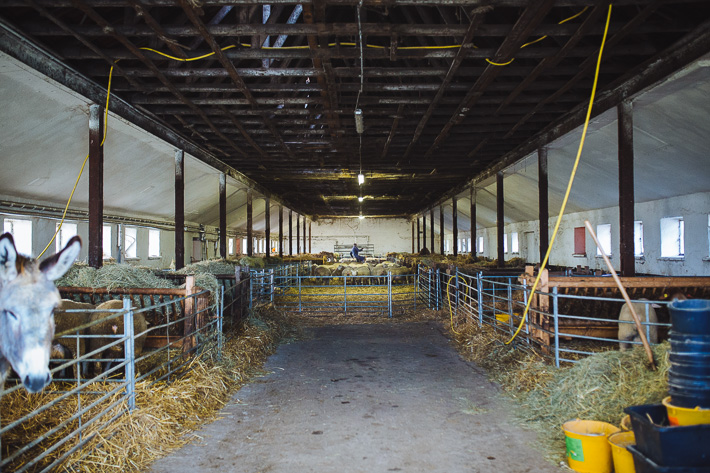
693,305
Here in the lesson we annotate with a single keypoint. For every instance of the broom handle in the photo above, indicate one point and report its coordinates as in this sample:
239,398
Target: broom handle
639,327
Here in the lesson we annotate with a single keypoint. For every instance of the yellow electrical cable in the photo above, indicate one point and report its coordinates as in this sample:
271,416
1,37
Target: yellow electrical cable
571,180
499,63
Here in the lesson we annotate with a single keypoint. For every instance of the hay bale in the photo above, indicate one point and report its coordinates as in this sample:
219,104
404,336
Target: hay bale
112,276
252,262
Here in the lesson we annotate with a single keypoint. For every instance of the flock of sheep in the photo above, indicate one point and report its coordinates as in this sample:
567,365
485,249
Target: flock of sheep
366,273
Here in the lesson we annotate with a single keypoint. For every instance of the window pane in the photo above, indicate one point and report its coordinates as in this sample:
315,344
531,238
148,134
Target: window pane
21,231
638,239
579,241
153,243
480,244
672,237
66,231
604,237
514,242
230,246
130,242
107,241
505,243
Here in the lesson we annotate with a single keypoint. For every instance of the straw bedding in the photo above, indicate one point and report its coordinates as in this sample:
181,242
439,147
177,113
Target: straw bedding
598,387
165,416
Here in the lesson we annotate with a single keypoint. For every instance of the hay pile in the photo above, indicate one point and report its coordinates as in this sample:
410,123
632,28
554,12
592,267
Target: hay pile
165,413
253,262
214,266
112,276
597,387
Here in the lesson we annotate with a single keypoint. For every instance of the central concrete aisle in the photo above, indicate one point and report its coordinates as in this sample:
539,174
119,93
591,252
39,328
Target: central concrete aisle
364,398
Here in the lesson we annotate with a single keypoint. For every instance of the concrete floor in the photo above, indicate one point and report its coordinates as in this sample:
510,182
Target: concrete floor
364,398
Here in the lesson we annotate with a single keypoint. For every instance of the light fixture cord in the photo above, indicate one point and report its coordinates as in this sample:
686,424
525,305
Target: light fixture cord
362,67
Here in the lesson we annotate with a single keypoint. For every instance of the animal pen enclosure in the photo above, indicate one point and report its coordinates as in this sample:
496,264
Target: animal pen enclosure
569,317
40,431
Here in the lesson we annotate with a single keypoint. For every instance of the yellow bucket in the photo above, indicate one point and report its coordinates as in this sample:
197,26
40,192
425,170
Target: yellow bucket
503,319
588,450
623,459
685,416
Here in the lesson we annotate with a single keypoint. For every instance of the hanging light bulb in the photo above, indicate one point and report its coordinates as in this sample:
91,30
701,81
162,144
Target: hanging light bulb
360,199
361,178
361,217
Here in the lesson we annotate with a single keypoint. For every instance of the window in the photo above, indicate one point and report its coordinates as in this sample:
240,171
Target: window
130,242
66,231
514,245
230,246
470,248
153,243
462,248
604,237
480,245
244,245
638,239
579,241
107,241
22,234
672,237
446,246
505,243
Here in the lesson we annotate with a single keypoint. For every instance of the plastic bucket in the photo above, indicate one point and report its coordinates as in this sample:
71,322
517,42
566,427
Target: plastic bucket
588,450
622,458
686,416
690,316
503,319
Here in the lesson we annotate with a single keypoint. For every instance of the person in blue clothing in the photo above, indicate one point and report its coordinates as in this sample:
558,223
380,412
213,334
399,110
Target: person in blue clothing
355,253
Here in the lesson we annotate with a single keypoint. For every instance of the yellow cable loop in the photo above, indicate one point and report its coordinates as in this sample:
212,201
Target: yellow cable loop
448,297
540,38
571,180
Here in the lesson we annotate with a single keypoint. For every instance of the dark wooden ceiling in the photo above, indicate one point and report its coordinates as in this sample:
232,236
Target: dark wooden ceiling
276,99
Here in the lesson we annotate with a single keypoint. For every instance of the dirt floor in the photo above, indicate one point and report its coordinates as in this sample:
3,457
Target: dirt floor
364,398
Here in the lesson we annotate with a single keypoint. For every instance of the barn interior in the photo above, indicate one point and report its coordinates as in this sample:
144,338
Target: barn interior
438,134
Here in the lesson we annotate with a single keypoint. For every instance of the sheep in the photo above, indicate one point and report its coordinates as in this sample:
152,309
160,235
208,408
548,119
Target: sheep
65,348
628,331
113,326
321,273
358,270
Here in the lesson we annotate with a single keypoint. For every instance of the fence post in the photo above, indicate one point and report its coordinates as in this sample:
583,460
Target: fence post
220,322
345,294
456,291
557,335
479,285
129,346
416,287
298,277
438,289
271,288
251,287
389,293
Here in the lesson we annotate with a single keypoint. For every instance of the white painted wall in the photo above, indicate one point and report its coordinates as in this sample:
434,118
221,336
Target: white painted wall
694,209
386,234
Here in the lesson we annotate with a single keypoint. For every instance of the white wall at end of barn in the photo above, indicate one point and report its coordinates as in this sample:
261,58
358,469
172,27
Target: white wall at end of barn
385,234
694,209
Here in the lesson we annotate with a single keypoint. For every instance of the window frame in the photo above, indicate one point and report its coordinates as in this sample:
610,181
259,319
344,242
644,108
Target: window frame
134,234
153,233
23,243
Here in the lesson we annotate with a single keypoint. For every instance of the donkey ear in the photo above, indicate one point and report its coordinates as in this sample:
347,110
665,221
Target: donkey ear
8,256
55,267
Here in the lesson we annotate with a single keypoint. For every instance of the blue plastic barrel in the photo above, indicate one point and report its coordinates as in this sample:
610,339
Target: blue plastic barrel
689,374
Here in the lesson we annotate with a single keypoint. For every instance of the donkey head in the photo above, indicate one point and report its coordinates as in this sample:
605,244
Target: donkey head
27,300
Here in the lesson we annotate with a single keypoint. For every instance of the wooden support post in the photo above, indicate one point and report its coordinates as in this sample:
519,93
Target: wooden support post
290,232
543,203
250,223
500,201
441,229
267,225
424,231
298,234
281,231
431,229
223,215
473,221
413,230
188,342
179,209
455,228
96,186
419,244
626,189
